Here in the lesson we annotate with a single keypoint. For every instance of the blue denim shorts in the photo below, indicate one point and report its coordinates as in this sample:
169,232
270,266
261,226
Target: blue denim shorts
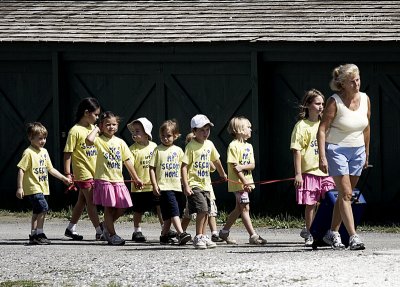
171,204
39,203
345,160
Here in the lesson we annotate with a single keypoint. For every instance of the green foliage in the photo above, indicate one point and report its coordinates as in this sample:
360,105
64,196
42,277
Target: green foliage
21,283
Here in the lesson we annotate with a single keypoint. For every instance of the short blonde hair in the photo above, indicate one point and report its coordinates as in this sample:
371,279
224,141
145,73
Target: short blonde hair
34,129
189,137
237,125
171,125
340,74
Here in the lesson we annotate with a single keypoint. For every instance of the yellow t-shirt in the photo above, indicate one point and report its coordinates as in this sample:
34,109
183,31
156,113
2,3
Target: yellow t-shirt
167,163
141,159
304,139
112,153
83,156
35,163
239,153
198,157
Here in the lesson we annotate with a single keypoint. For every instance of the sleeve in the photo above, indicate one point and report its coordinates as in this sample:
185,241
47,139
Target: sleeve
297,139
126,152
187,155
153,158
25,162
214,153
71,141
49,165
232,154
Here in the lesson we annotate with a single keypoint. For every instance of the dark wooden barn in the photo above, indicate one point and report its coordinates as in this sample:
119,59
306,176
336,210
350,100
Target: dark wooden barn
174,59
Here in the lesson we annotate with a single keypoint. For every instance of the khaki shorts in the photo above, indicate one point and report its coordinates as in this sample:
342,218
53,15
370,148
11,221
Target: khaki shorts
213,211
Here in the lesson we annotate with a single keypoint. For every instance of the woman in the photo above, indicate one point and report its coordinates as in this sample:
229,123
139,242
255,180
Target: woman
343,142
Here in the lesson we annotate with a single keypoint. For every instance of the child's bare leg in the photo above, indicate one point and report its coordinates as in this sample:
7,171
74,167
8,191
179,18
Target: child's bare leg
166,227
90,207
201,220
109,219
78,208
176,222
117,213
309,215
246,218
212,223
159,215
185,223
34,221
233,216
137,219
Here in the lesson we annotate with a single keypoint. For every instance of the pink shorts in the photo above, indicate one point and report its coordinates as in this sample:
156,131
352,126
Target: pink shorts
85,184
111,194
314,187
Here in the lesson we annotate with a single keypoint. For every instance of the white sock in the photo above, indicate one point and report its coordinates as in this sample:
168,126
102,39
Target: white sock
137,229
214,233
39,231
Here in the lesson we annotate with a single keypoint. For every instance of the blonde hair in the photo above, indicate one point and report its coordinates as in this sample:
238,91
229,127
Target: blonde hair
237,125
308,98
189,137
34,129
170,125
340,74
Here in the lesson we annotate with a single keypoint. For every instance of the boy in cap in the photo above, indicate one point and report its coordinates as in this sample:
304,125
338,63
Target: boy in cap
142,199
199,153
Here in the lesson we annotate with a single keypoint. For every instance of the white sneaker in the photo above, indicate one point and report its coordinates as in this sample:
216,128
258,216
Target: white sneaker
308,242
355,243
333,239
209,242
304,233
199,243
116,240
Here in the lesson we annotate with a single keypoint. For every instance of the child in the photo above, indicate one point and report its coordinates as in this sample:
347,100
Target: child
142,199
33,181
196,176
110,190
240,158
83,159
165,174
310,182
212,223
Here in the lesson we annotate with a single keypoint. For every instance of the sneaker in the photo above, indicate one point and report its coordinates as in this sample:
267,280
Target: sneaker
106,235
41,239
333,239
199,243
216,238
138,237
209,242
225,237
166,240
304,233
72,235
355,243
308,242
116,240
32,240
183,238
172,234
257,240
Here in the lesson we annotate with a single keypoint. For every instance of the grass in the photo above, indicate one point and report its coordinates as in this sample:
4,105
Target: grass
21,283
282,221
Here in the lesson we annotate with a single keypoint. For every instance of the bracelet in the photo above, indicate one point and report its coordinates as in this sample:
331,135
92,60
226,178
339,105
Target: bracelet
67,173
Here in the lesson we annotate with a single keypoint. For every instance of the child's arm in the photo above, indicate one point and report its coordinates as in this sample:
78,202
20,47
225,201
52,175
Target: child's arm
242,167
220,169
156,188
61,177
131,169
246,185
92,136
184,174
298,178
20,190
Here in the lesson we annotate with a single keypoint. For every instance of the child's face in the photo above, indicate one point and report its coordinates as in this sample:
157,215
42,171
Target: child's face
92,116
109,127
247,131
138,134
202,134
167,137
38,141
316,107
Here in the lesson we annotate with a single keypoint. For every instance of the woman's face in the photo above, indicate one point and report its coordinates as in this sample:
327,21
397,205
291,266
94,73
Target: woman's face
352,84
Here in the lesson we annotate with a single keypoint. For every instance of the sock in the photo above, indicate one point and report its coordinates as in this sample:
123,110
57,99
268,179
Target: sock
39,231
224,231
98,230
137,229
72,227
214,233
33,232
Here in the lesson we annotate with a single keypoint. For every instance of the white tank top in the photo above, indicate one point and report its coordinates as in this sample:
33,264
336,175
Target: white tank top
348,126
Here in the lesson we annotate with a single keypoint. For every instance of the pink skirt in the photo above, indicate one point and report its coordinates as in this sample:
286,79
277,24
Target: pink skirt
111,194
314,187
85,184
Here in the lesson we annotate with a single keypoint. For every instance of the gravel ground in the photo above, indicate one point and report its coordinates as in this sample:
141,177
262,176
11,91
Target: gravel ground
283,261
